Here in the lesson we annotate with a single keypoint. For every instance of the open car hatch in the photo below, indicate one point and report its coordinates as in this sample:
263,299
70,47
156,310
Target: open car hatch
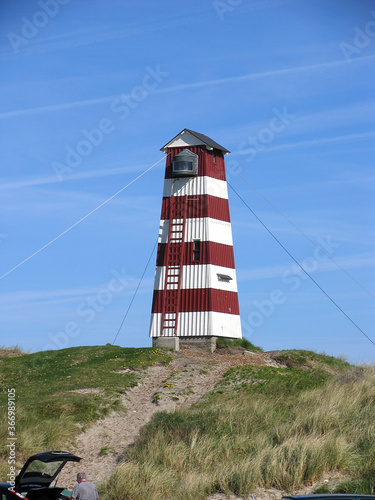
42,468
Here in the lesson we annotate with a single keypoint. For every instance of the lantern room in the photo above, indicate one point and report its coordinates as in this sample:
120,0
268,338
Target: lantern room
185,164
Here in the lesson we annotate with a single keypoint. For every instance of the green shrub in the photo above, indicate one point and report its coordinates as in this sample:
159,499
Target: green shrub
246,344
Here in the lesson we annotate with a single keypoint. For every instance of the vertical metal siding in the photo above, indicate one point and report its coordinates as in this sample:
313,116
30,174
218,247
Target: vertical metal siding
194,186
199,300
202,206
206,306
210,253
201,324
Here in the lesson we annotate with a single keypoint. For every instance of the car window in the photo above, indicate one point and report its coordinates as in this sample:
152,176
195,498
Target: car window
43,469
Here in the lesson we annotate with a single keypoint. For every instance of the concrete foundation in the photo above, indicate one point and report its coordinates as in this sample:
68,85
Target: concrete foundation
206,344
166,342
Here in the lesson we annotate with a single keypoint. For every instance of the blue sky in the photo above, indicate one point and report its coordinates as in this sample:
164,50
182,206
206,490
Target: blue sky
90,92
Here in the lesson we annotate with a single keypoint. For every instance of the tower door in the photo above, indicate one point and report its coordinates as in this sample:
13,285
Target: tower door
174,261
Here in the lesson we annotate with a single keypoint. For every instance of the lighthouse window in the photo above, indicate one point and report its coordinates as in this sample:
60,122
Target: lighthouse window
196,249
224,277
181,165
185,164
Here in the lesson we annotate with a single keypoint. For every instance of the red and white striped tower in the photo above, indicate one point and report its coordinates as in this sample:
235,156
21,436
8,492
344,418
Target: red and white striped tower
195,293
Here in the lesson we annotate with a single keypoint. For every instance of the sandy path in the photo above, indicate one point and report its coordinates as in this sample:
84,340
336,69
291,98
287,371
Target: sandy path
161,388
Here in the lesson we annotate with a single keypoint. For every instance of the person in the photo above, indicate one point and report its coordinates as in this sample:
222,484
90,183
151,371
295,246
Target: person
84,490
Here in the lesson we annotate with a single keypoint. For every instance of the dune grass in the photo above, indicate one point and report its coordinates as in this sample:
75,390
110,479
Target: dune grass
261,427
8,352
59,393
233,343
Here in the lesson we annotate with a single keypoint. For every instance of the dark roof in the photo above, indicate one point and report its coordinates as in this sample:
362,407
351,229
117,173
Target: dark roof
204,138
208,141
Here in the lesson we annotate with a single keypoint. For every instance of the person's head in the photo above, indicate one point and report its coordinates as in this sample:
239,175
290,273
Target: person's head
81,476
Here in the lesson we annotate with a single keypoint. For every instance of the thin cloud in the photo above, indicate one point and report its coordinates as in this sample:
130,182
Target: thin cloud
55,107
265,74
187,86
312,142
47,295
353,262
358,113
66,296
39,181
102,33
323,140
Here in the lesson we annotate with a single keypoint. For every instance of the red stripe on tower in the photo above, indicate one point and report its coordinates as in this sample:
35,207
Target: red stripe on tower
195,291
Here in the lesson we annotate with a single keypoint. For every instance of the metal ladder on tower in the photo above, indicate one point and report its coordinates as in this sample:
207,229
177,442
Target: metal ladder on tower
174,261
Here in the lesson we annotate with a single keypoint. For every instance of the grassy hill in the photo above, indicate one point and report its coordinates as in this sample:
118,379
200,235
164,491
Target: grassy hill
59,393
261,427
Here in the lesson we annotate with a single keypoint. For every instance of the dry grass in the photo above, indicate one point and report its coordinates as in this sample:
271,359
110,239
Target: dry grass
9,352
238,442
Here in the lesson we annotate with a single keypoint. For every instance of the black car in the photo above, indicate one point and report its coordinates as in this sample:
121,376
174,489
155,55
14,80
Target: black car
36,476
6,494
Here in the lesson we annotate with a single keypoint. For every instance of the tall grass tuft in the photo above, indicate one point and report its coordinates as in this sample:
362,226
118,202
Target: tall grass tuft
256,432
243,342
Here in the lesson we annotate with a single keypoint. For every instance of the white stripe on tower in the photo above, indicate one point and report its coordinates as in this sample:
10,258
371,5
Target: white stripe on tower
203,229
200,276
204,324
200,185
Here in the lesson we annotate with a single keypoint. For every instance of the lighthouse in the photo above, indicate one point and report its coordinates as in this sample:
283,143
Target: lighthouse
195,296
